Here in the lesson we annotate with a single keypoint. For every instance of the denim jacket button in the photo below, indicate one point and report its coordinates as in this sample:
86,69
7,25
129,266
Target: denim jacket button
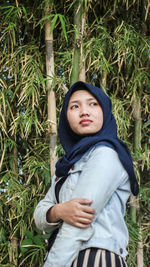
121,250
56,179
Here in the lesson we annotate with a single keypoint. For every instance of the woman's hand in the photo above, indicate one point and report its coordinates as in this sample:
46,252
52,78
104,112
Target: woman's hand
75,211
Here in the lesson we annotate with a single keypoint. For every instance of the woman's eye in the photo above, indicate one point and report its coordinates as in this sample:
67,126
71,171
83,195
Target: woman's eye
74,106
93,104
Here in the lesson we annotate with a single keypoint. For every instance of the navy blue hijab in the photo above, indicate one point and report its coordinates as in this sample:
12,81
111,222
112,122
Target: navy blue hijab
75,146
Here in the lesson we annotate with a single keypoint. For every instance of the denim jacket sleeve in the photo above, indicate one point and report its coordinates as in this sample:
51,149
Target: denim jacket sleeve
102,174
41,209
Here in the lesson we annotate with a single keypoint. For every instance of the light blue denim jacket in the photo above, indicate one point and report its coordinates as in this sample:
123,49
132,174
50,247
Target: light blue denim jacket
100,176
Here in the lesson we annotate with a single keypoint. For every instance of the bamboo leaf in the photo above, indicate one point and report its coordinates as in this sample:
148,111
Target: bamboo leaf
53,23
45,18
29,234
146,124
26,244
63,26
37,240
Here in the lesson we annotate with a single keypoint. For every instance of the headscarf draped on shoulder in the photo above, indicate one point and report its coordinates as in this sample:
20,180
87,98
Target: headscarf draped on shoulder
75,146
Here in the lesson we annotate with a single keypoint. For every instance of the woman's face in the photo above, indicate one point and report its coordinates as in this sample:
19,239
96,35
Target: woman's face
84,113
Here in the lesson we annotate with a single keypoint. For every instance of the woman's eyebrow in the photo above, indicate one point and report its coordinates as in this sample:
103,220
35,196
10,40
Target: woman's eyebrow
78,101
92,98
74,101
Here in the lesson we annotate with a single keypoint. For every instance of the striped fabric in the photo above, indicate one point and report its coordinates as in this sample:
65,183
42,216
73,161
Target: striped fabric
95,257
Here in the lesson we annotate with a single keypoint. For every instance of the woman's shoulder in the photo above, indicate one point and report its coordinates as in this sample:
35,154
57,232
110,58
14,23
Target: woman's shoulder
105,156
101,150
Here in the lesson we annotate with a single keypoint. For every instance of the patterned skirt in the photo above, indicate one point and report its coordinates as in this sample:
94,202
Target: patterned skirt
95,257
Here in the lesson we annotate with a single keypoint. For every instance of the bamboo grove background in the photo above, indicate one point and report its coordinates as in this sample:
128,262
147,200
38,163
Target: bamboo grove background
45,46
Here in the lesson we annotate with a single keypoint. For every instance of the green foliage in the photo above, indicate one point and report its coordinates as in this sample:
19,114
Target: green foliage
133,242
54,18
116,50
31,240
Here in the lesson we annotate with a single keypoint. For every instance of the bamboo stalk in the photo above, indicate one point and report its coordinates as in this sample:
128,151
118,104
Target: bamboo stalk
82,76
77,43
51,93
135,205
140,259
14,243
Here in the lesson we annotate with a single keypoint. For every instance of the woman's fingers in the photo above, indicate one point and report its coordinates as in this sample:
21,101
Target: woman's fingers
87,216
84,205
85,220
84,201
81,225
88,209
77,212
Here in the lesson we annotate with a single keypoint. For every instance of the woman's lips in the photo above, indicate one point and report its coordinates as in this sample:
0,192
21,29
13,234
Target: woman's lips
85,122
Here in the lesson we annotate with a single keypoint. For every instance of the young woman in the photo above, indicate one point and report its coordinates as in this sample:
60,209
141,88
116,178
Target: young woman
99,177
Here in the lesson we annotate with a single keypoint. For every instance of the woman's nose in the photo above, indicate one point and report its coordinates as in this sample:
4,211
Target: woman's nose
84,112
